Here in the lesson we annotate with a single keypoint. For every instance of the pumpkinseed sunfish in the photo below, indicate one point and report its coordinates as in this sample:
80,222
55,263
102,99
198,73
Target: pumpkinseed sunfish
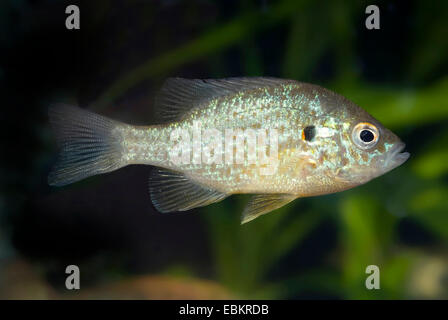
215,140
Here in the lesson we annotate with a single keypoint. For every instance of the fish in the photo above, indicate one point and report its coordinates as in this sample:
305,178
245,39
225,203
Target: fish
277,139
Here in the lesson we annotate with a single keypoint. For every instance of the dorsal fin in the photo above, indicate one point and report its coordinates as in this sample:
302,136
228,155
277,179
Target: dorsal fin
173,191
261,204
178,96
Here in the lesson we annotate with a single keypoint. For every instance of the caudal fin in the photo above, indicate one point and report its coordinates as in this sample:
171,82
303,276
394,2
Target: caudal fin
90,144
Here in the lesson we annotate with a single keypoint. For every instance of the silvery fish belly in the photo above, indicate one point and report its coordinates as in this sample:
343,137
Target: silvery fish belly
277,139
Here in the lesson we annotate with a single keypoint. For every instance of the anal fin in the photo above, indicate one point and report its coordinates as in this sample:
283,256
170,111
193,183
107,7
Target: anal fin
173,191
261,204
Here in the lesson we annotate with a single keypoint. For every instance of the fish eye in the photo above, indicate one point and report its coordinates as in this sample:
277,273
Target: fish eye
365,135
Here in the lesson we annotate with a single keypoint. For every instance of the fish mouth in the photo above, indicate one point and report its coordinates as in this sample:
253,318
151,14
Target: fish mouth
396,156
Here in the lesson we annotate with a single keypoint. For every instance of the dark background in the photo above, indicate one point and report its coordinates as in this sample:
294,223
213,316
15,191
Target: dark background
313,248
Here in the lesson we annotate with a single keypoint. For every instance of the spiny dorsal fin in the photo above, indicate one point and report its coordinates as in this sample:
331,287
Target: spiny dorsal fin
261,204
178,96
173,191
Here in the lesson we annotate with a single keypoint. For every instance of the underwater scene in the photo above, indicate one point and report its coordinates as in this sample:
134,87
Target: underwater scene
93,206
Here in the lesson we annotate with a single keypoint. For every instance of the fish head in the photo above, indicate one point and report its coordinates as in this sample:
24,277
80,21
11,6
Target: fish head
367,149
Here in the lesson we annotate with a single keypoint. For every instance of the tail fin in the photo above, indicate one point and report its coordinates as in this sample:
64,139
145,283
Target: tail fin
90,144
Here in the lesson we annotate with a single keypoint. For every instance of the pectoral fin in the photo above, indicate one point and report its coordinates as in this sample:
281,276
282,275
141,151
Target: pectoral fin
261,204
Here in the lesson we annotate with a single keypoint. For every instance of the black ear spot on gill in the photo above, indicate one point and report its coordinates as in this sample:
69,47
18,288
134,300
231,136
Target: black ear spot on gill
308,133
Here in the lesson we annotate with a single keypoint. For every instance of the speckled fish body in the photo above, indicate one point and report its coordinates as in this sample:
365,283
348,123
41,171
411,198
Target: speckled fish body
319,139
